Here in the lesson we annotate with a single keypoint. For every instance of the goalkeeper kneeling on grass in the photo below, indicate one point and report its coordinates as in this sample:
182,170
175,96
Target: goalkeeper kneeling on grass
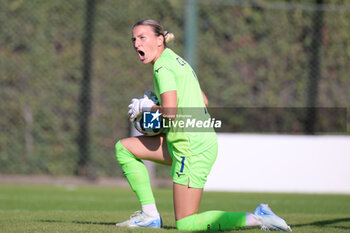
190,154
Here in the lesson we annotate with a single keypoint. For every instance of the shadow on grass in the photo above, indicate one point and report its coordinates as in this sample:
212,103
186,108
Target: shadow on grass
78,222
325,223
236,229
94,223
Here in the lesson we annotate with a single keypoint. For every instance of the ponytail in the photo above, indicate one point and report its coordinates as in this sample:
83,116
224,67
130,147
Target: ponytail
168,37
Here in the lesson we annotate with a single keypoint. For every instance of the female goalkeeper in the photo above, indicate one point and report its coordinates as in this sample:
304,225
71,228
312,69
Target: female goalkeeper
190,154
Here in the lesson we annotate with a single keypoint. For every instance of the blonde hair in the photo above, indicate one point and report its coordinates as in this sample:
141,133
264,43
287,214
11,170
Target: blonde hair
157,29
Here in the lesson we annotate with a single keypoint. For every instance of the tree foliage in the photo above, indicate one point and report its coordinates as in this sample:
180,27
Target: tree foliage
248,56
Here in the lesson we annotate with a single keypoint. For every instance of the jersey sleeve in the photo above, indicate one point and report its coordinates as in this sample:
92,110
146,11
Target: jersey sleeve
165,79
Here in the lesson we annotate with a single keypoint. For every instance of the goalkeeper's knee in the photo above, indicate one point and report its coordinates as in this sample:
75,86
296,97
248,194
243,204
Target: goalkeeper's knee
122,154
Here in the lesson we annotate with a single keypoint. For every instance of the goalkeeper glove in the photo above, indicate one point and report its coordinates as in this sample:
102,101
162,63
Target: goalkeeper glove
138,106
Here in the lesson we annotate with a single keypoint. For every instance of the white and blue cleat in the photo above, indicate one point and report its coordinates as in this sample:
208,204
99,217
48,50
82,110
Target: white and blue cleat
141,220
269,220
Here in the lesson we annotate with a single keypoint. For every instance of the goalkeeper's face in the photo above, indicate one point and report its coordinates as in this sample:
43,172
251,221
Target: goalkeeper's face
147,44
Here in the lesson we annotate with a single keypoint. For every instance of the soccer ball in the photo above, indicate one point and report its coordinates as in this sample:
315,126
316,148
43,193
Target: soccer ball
152,96
138,124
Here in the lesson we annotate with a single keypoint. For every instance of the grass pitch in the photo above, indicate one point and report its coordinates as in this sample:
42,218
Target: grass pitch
34,208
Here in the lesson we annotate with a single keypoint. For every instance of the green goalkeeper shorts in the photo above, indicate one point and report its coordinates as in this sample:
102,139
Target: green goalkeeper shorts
193,170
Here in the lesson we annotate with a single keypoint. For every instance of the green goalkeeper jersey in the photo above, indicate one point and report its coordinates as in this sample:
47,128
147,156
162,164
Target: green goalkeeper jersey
172,73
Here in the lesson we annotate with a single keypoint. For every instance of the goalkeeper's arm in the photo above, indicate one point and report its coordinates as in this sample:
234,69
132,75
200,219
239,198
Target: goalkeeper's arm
205,99
169,105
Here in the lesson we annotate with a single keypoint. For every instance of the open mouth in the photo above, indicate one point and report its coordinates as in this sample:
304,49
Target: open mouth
141,54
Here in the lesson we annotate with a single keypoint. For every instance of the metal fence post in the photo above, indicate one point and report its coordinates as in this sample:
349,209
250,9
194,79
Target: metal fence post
191,10
314,70
85,93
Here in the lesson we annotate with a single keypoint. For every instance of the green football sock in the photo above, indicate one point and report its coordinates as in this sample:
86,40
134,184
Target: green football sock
136,173
212,220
